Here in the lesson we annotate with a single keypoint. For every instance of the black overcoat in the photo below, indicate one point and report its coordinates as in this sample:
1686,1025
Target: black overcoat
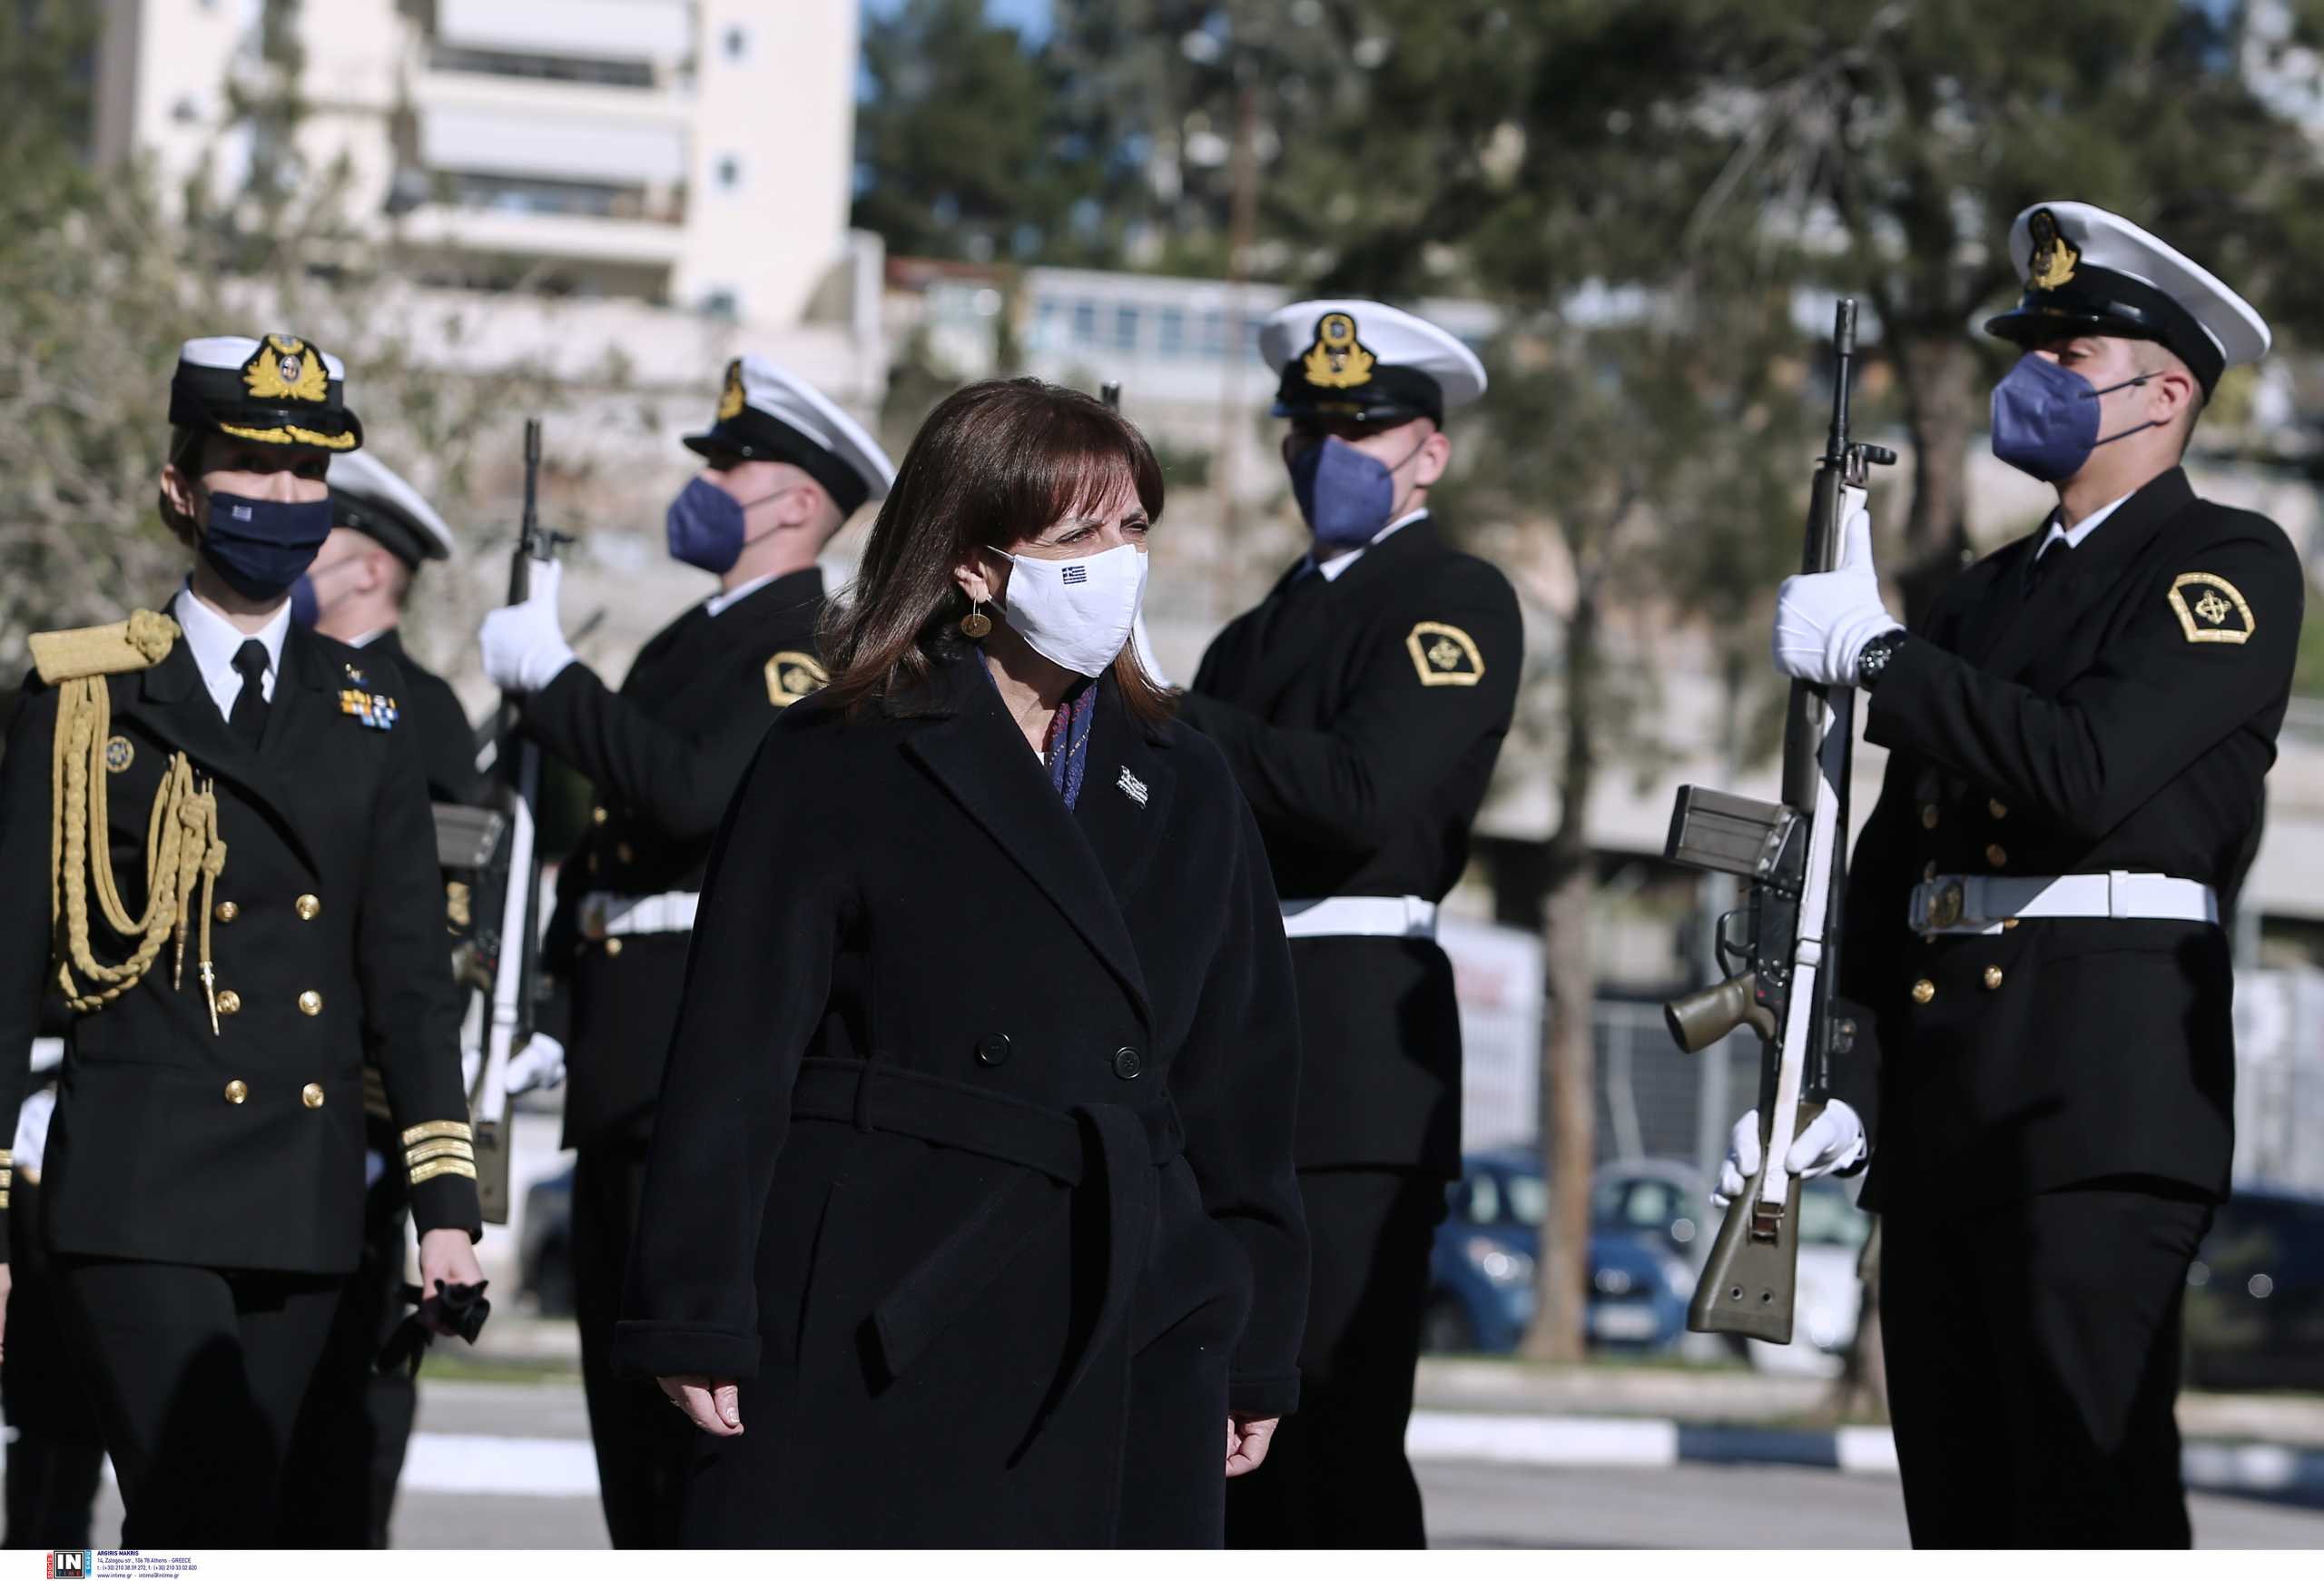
663,756
973,1156
1363,717
327,935
2118,715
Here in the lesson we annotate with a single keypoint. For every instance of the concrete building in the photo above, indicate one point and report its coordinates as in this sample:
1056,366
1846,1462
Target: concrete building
690,152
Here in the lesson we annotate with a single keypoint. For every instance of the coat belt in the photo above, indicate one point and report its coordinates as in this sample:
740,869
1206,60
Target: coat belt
1107,1147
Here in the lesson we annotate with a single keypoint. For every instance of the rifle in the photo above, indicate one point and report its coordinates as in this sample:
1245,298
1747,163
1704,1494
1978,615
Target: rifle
1794,855
506,952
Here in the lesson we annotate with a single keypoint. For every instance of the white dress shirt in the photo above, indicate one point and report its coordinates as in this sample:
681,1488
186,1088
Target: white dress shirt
214,640
718,603
1332,567
2080,529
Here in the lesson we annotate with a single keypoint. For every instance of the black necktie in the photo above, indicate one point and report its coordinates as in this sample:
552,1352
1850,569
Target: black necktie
2047,564
249,717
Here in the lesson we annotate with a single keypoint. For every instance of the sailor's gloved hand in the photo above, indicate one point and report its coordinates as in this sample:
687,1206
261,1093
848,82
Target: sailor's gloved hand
540,1063
1834,1140
523,644
1824,620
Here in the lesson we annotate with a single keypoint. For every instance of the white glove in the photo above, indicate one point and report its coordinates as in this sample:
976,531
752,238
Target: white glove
1823,620
523,644
32,1130
1834,1140
539,1065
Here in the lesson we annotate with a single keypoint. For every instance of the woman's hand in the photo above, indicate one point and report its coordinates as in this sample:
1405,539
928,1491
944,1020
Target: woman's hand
713,1404
1247,1438
451,1256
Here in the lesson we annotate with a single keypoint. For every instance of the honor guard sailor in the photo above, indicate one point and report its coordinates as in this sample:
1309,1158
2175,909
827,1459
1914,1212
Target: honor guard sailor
784,468
1361,706
350,1450
216,845
2079,734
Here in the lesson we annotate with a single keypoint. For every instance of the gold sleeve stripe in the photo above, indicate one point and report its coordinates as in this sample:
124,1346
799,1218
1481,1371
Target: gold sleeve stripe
4,1198
429,1171
439,1150
434,1128
6,1158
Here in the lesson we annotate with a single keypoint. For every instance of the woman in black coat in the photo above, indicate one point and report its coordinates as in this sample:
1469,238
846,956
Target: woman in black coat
970,1218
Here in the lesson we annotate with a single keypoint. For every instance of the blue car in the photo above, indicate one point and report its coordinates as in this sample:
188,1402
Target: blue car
1480,1268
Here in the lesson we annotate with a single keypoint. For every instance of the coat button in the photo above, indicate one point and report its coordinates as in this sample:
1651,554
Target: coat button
598,814
992,1049
310,1002
1126,1064
226,910
612,946
1997,810
1929,816
1924,991
1996,857
312,1095
1993,977
229,1002
308,907
624,854
236,1091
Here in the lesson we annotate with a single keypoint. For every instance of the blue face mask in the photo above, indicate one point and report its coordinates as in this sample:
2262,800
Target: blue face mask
259,546
2045,418
1345,494
705,524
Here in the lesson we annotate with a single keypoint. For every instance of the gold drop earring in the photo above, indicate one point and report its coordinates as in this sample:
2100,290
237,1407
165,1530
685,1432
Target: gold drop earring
976,625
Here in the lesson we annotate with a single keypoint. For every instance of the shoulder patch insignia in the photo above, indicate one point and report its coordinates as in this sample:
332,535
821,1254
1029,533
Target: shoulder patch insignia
2210,609
139,642
1445,656
790,676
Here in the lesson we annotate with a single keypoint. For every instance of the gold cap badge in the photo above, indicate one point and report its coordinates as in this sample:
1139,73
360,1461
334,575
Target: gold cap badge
286,369
2055,257
1338,360
730,400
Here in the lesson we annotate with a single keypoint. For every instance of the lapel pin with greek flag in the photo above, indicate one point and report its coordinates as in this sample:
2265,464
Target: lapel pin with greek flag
1132,786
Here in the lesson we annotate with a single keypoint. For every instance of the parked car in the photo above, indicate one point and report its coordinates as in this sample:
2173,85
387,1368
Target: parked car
544,1253
2255,1296
1659,1203
1481,1268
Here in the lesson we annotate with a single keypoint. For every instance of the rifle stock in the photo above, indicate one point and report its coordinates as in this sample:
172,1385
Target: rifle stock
1793,855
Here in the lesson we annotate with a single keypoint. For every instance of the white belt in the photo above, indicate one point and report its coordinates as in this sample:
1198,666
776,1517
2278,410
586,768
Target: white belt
1983,904
603,914
1388,916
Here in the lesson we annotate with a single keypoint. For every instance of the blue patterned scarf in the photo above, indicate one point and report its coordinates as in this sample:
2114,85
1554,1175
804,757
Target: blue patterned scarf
1066,750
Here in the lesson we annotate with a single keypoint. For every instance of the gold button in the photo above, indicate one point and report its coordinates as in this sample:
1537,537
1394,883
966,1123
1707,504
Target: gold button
1924,991
312,1095
612,946
1997,810
308,907
598,814
310,1002
1929,816
623,853
1996,856
2008,923
1993,977
236,1091
226,910
229,1002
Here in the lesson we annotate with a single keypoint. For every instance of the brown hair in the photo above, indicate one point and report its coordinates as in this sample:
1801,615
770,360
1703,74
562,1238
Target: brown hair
185,455
996,463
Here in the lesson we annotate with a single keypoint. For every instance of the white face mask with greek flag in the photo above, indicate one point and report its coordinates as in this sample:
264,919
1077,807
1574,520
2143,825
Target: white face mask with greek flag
1076,613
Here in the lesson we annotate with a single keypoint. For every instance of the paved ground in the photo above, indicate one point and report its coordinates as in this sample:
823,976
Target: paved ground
508,1465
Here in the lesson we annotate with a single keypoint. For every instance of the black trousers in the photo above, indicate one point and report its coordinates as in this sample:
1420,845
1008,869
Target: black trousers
56,1453
2032,1353
347,1452
643,1444
198,1373
1336,1476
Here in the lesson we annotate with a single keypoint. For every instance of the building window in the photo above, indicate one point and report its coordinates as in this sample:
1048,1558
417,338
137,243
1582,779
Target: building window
729,174
736,43
1171,328
610,74
1045,316
722,303
1084,323
1214,333
1125,336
